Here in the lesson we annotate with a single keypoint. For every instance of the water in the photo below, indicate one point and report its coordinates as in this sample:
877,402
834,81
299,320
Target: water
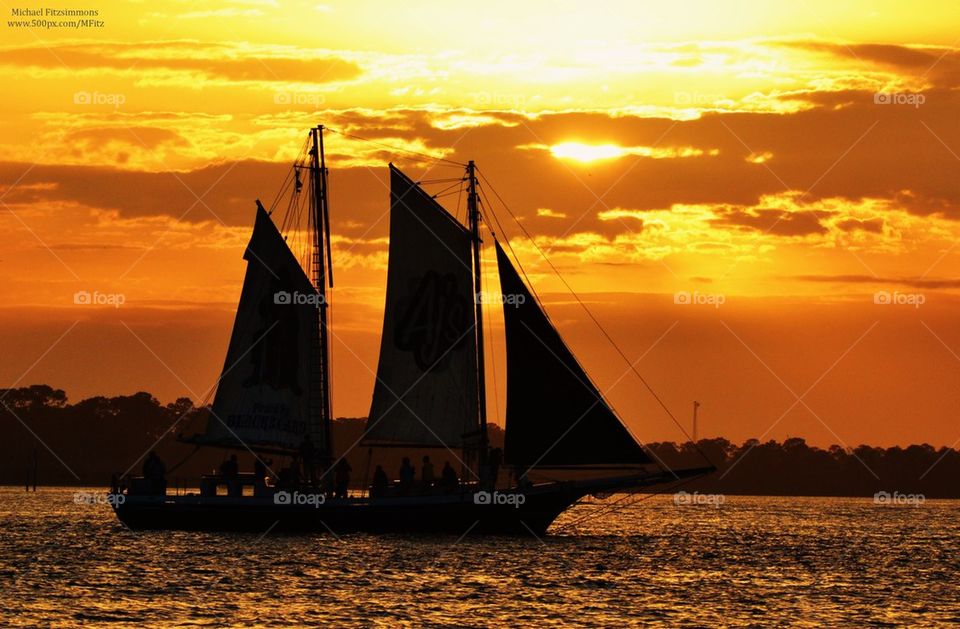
750,561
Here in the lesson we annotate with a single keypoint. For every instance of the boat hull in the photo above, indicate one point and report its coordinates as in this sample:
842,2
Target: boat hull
443,514
510,512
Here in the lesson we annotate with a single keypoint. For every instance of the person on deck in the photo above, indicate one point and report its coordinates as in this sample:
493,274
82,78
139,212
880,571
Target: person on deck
153,467
342,479
155,472
380,482
448,478
230,468
407,475
426,473
230,471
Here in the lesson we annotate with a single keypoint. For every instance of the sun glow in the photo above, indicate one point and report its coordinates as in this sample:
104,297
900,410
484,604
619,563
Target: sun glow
586,152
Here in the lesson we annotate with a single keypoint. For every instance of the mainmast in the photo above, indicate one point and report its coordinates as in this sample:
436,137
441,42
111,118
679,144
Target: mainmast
322,277
473,211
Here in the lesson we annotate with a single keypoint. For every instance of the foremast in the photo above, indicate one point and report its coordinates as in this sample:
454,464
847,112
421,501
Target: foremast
473,215
322,277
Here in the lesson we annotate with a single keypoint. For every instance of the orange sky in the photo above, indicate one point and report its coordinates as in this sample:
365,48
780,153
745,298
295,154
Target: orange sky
738,152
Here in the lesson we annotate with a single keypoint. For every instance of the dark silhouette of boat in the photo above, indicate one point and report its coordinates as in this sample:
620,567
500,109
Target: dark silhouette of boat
562,439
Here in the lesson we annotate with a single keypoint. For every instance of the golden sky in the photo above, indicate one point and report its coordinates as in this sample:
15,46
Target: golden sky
789,161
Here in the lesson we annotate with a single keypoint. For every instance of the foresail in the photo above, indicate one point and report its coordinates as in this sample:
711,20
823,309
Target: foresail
426,388
555,414
262,397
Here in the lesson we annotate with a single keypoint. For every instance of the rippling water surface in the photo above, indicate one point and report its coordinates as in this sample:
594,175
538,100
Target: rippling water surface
752,560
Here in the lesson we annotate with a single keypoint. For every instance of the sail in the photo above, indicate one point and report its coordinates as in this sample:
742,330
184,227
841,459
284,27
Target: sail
555,414
426,388
263,394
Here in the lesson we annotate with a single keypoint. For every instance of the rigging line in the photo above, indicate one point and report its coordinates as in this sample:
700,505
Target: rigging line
496,219
300,233
189,456
294,197
287,180
283,191
444,180
449,189
301,156
644,497
290,215
441,195
397,148
596,322
459,197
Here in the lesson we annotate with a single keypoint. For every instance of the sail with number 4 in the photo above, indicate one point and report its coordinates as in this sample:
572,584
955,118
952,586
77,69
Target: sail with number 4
426,387
262,397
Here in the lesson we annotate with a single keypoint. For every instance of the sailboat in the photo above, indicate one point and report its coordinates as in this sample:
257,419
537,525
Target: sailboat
562,439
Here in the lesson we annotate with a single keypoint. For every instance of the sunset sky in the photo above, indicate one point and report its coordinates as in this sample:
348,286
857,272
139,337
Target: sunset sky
789,161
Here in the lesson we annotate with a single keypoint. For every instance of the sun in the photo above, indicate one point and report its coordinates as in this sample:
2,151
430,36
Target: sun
581,152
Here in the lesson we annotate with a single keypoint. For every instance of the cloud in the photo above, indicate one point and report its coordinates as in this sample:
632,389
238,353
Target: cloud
776,222
940,61
874,225
230,62
850,175
228,190
912,282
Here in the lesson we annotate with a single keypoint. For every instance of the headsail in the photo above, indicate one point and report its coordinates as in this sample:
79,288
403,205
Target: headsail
555,414
262,398
426,389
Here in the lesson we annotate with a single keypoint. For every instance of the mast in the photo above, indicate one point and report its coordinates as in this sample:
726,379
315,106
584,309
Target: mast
696,405
322,274
474,220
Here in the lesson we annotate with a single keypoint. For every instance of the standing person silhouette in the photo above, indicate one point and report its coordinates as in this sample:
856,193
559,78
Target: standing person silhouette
407,475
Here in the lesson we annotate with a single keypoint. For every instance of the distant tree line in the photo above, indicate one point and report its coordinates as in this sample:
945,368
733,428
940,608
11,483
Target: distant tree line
84,443
794,468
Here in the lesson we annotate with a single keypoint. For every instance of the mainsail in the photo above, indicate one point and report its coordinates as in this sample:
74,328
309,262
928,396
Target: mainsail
555,414
263,394
426,388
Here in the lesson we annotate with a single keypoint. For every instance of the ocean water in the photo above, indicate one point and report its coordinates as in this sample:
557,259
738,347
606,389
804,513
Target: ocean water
748,561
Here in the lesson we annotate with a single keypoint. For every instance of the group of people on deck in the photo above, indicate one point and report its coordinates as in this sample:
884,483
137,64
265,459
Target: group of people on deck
448,481
335,481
